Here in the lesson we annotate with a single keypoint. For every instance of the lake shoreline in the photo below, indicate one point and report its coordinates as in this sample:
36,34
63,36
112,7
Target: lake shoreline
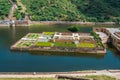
30,23
71,23
112,73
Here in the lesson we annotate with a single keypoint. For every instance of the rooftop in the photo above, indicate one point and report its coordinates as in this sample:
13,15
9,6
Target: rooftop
101,34
113,30
117,34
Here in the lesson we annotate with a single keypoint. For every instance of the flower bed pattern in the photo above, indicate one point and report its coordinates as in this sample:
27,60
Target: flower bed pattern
54,41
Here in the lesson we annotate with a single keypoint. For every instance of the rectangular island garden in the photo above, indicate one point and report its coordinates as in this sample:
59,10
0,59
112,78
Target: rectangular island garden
60,42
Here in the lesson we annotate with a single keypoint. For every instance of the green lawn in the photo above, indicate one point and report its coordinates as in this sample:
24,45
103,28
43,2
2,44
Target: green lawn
44,44
48,33
86,45
56,44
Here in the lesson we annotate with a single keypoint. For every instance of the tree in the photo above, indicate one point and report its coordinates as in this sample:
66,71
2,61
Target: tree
74,28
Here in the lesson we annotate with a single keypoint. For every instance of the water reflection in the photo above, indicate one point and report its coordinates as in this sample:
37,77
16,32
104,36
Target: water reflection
116,53
48,61
89,55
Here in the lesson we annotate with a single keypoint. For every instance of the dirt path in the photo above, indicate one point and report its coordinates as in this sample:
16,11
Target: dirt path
20,4
11,12
111,73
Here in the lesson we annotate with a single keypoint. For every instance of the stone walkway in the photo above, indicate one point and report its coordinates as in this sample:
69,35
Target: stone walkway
111,73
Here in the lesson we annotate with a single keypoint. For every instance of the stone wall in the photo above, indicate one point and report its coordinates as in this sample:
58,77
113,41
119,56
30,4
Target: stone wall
21,23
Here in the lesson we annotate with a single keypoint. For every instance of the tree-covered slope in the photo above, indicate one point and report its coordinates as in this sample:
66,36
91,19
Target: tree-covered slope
73,10
4,8
99,10
52,10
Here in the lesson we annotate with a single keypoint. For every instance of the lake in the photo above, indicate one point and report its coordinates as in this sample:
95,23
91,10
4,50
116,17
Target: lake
50,62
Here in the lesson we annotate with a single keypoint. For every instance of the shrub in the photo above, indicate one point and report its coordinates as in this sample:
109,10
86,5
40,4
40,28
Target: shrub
73,28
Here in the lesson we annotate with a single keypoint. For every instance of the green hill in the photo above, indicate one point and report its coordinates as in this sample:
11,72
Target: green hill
4,8
70,10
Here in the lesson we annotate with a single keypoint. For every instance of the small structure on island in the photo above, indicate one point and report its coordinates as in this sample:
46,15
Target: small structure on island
110,35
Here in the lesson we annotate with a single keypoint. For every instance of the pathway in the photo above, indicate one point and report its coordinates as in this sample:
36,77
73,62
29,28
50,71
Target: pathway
112,73
11,12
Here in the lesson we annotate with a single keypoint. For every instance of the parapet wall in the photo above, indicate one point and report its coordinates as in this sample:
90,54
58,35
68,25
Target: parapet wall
4,23
21,23
62,49
71,22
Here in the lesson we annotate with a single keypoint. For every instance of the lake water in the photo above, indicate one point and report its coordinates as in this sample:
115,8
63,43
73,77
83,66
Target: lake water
50,62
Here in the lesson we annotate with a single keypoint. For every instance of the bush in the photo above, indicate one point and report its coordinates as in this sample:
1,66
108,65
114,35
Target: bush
73,28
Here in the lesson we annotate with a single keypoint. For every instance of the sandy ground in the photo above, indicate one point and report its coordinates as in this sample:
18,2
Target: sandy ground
112,73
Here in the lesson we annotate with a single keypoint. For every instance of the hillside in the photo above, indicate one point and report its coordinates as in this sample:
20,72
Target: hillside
52,10
69,10
4,8
99,10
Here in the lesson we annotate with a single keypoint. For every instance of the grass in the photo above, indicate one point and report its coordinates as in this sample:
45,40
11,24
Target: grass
32,35
102,77
86,45
44,44
24,44
56,44
48,33
20,4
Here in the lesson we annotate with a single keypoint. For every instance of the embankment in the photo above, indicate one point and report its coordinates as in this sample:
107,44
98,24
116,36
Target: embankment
112,73
71,23
31,23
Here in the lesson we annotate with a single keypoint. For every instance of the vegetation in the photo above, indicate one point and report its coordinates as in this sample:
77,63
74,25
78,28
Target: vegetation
24,44
48,33
73,28
43,44
73,10
51,10
102,77
99,10
4,8
86,45
97,39
65,44
32,36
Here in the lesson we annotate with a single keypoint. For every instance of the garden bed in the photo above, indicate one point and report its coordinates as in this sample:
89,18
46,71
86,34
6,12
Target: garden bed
32,35
43,44
86,45
24,43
